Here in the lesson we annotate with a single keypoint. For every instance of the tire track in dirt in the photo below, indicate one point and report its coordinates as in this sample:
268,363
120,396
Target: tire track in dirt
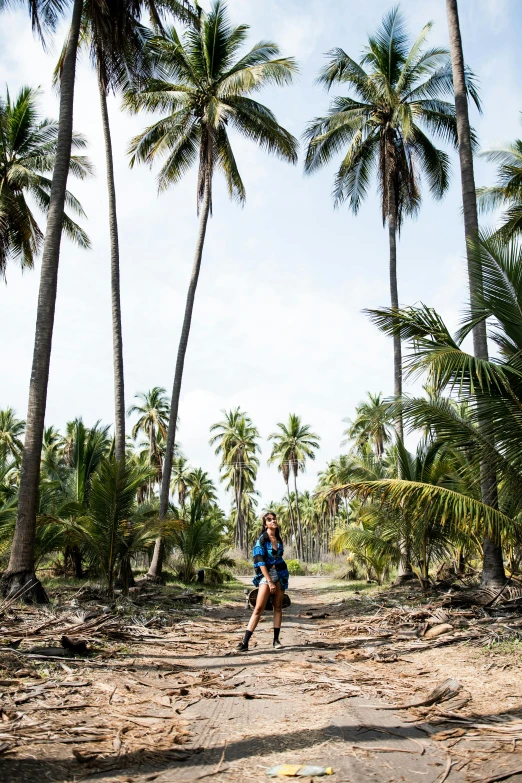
302,719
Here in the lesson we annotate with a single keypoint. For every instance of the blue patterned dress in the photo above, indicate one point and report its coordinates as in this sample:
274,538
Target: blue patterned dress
264,555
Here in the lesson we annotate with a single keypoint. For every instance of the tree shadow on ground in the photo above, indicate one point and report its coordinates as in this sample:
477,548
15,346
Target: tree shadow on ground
142,762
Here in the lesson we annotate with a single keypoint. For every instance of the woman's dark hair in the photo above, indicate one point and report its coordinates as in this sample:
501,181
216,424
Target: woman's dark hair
264,531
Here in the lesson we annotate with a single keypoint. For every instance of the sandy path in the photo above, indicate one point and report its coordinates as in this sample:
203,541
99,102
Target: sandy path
312,713
318,705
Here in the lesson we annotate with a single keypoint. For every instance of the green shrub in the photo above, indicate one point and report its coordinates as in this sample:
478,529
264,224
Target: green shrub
295,568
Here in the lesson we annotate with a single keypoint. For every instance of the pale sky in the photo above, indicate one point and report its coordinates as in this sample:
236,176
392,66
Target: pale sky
277,325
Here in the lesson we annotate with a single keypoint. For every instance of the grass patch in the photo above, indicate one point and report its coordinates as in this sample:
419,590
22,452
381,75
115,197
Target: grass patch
349,587
510,646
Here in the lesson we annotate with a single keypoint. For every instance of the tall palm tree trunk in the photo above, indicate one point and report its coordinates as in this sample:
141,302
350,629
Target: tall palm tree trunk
493,567
394,296
405,570
152,452
243,543
156,565
236,527
117,339
300,547
291,513
20,571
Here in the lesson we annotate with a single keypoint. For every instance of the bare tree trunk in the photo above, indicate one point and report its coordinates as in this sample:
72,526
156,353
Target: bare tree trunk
155,567
152,451
76,557
405,569
300,547
394,296
493,567
117,339
241,518
236,525
291,513
20,571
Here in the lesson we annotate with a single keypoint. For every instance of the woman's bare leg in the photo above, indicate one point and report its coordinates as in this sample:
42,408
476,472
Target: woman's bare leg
262,600
278,605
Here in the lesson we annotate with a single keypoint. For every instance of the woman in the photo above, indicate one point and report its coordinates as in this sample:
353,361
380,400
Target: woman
271,578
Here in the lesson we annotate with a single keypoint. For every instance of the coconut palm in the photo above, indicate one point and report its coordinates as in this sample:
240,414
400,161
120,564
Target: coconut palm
492,389
372,423
294,443
398,101
370,538
27,157
199,536
181,475
44,14
11,432
507,192
465,147
153,413
115,66
236,439
471,227
204,89
53,463
201,487
113,17
112,529
90,445
378,531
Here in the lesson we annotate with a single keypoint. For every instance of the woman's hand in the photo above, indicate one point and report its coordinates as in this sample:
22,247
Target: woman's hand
271,586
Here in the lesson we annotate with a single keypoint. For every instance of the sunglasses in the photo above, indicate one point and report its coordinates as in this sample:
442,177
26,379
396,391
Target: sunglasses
271,519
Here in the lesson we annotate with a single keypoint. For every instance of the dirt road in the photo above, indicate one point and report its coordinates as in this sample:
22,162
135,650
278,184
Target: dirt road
190,709
311,711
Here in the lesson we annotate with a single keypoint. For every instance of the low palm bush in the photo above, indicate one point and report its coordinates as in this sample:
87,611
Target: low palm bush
198,539
115,529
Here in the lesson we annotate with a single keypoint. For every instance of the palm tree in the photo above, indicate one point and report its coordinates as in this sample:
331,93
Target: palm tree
11,432
294,443
153,412
201,534
201,487
492,552
204,89
181,474
27,156
236,439
492,389
112,20
508,191
383,129
44,14
372,424
20,571
465,147
115,66
113,530
377,527
53,462
88,447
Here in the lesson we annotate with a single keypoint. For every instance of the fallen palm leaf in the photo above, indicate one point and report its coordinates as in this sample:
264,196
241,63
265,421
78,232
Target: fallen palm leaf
446,690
